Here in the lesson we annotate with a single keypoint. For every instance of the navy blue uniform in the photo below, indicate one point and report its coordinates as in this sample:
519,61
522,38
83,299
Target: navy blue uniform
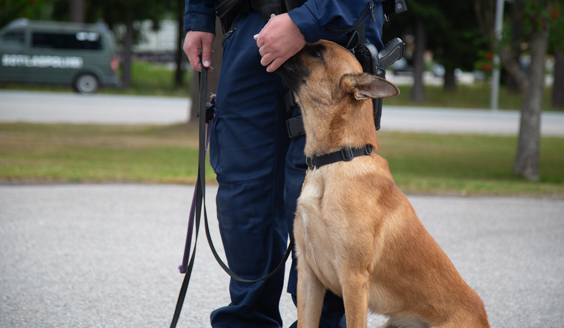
260,170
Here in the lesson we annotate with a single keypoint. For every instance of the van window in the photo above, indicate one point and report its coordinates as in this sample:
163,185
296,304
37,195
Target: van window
77,41
17,37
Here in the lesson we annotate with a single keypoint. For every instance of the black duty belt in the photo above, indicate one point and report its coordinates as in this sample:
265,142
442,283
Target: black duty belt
345,154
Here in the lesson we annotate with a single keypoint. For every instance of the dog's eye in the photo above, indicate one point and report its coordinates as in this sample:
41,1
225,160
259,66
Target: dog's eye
316,51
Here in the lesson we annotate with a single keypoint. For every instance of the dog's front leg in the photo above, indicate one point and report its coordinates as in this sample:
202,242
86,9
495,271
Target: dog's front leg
310,297
355,296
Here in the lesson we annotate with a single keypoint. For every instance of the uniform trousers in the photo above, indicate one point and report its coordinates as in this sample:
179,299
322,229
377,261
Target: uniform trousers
260,171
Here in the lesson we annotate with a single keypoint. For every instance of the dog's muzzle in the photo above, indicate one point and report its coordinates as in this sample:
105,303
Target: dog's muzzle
294,73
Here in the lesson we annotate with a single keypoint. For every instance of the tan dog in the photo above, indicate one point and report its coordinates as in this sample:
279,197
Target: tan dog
356,233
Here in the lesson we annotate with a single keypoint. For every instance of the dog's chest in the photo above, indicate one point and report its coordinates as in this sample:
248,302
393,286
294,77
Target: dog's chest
315,231
307,209
310,203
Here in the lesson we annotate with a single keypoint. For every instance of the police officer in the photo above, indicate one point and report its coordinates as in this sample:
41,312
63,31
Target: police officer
259,168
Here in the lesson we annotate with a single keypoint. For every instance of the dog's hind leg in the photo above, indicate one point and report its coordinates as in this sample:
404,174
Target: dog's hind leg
310,297
355,296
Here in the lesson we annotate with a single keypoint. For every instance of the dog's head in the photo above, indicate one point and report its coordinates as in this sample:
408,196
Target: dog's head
328,69
334,93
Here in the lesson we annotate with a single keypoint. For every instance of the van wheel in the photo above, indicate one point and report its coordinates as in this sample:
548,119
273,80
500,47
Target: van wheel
86,83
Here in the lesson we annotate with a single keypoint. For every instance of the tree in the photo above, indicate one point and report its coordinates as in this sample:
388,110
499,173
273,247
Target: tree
419,20
535,23
76,12
456,40
14,9
420,35
128,12
558,84
179,53
556,47
444,27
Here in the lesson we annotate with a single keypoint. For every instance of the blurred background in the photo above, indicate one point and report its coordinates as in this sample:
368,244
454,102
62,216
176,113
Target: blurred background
98,157
448,44
459,55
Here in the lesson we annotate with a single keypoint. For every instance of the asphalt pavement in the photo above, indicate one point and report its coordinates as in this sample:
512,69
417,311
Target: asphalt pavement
51,107
106,255
59,107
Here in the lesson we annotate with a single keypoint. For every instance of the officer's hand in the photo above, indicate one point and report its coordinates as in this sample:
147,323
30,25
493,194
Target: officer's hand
196,41
279,40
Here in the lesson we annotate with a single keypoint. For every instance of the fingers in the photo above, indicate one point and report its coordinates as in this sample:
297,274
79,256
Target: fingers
194,58
272,63
276,63
267,52
207,54
192,52
279,40
266,59
195,43
271,58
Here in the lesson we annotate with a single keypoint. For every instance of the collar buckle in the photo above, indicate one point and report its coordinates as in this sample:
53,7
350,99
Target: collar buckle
347,154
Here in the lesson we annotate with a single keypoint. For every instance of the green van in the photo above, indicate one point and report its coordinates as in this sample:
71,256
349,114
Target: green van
82,55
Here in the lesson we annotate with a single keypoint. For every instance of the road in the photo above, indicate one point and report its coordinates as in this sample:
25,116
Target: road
107,255
58,107
45,107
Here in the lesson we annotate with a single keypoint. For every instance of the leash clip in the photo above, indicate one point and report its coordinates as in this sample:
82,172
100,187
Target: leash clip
310,161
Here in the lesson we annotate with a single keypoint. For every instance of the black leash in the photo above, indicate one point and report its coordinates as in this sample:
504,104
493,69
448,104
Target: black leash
197,203
199,199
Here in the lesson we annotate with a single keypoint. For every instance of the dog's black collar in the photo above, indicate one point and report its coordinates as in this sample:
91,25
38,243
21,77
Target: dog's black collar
345,154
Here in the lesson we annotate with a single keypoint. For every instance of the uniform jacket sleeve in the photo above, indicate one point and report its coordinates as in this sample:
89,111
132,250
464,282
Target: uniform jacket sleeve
314,16
199,15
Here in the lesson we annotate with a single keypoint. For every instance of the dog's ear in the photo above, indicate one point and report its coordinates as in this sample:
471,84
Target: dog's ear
365,86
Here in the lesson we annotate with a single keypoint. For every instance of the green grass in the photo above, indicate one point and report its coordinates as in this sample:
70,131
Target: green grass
468,164
420,163
98,153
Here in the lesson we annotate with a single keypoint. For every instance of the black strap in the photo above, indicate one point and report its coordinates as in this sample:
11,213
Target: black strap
200,191
345,154
233,274
201,202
